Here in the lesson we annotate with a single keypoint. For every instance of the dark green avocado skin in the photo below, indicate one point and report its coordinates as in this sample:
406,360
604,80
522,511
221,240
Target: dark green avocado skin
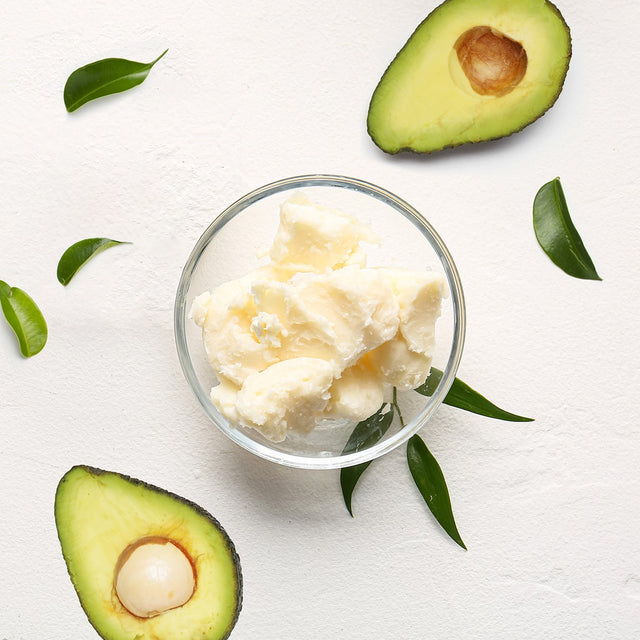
94,471
408,149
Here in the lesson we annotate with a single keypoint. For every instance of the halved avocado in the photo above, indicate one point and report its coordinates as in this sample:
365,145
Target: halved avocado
188,562
474,70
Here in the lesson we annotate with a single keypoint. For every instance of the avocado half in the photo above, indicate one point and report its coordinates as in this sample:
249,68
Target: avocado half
101,516
473,70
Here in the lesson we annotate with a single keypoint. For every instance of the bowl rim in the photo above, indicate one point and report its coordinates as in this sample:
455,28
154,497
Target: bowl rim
457,299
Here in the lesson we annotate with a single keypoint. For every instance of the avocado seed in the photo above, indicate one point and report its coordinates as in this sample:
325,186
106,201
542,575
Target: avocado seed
493,63
154,575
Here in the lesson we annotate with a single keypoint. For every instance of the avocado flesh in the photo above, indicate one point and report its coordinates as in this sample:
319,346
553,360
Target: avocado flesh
425,102
100,513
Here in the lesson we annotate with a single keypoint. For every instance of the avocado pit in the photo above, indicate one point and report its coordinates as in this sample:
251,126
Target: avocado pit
153,575
493,63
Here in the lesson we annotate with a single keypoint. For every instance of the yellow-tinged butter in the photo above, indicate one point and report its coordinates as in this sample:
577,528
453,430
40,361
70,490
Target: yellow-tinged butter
289,395
315,238
316,334
358,392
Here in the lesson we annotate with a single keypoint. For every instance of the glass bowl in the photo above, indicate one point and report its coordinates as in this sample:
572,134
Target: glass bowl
229,248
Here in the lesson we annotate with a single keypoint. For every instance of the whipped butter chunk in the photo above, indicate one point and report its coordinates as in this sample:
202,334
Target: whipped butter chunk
316,334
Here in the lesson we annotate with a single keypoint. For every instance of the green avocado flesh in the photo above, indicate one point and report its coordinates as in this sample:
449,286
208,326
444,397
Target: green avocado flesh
100,513
428,98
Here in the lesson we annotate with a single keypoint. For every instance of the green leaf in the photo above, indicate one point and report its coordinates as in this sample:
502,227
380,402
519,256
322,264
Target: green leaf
365,434
79,253
102,78
430,481
24,318
462,396
557,235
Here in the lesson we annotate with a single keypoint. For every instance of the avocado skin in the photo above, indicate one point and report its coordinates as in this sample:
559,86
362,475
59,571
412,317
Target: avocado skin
94,471
453,143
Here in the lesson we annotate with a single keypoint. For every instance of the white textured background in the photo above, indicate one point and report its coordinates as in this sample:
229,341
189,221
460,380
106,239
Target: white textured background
251,92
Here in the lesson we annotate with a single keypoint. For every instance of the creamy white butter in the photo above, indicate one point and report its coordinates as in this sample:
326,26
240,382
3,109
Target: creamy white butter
316,334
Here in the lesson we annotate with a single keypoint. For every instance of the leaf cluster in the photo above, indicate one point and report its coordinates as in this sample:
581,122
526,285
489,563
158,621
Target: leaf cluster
424,468
94,80
24,315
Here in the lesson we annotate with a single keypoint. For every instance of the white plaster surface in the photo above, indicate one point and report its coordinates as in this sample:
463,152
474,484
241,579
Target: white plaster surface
255,91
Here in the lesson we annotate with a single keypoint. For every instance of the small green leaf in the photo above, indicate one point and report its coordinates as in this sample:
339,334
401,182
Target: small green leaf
557,235
102,78
462,396
430,481
349,477
365,434
24,318
79,253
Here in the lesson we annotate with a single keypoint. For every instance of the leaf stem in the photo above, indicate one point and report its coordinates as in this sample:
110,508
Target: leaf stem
396,406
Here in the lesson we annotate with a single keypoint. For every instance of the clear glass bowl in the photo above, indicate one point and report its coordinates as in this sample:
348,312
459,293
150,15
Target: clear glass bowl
229,248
